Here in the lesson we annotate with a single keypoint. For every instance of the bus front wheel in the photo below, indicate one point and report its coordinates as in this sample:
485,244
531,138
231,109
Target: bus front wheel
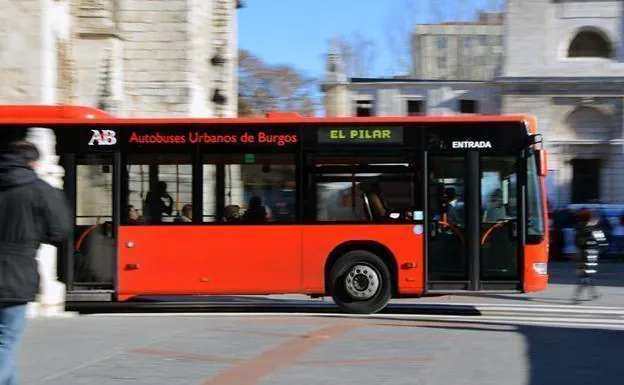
360,283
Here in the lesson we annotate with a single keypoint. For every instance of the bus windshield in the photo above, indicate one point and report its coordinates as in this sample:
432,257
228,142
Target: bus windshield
535,217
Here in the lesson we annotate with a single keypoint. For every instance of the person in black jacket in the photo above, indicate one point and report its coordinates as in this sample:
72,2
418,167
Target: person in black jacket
31,212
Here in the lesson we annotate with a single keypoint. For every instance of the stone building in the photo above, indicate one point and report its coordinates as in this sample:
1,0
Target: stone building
453,65
563,62
129,57
459,50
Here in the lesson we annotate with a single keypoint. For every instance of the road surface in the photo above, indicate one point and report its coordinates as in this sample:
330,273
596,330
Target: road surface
534,339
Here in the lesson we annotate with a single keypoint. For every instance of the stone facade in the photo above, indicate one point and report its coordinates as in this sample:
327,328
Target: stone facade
573,81
459,50
563,62
130,57
393,97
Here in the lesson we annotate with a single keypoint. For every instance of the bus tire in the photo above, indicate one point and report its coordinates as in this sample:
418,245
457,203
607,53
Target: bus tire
360,282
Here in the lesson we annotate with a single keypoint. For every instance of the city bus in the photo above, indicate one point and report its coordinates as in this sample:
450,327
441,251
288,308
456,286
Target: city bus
359,209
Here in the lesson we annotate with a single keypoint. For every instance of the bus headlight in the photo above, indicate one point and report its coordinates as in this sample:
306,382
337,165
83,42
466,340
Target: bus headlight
540,268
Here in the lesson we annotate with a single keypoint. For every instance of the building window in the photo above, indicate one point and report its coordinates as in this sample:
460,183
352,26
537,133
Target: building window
442,62
466,41
585,180
442,43
160,186
258,188
483,40
363,108
414,107
467,106
590,44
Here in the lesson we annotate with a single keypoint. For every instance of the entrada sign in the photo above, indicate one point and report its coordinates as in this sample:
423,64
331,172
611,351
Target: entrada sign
472,144
360,135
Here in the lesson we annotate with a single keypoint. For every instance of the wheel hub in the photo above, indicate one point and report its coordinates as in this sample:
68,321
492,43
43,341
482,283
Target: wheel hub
362,282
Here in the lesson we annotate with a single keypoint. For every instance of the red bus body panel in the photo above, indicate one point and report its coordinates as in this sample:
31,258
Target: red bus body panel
273,259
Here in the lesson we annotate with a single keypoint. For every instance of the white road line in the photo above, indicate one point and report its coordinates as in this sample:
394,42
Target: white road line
366,316
513,305
617,324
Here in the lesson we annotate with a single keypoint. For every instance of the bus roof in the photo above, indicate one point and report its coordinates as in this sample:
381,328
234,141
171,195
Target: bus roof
63,114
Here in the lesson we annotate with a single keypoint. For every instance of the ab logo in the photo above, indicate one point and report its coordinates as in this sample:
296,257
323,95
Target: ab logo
103,137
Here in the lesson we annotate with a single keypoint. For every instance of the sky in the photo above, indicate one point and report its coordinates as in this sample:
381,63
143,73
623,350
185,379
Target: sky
298,32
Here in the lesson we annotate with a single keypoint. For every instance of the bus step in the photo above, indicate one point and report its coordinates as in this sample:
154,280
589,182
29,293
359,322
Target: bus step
89,296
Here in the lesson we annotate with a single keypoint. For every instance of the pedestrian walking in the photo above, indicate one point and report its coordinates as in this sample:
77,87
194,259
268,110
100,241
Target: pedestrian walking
590,239
32,212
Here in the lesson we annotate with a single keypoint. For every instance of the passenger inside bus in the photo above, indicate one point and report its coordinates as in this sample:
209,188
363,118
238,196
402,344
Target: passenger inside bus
256,212
186,215
232,213
452,206
134,217
375,200
155,205
495,209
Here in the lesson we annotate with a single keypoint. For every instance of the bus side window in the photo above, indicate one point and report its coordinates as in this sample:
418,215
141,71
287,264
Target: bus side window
258,187
377,189
161,185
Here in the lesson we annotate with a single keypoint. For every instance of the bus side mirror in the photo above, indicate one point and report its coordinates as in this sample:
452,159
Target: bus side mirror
542,162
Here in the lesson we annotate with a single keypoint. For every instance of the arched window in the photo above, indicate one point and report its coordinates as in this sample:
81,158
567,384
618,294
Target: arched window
590,43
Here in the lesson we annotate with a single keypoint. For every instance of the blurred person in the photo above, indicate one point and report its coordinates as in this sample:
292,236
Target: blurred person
496,207
157,203
256,212
232,213
33,212
451,206
187,214
133,215
590,239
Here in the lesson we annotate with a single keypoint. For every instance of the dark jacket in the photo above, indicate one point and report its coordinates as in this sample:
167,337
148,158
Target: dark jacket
590,237
31,212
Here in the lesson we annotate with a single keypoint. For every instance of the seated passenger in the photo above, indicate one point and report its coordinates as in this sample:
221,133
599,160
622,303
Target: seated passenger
232,213
377,204
133,215
256,212
187,214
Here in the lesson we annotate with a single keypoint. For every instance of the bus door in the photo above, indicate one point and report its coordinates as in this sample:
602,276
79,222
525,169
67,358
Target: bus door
472,222
91,180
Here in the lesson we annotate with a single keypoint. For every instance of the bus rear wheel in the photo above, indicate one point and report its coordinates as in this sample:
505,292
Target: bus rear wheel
360,283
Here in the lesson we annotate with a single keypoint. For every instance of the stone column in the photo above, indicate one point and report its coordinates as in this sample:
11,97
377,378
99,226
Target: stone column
51,300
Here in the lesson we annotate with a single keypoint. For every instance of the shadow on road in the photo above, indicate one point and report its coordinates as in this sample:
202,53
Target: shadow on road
558,355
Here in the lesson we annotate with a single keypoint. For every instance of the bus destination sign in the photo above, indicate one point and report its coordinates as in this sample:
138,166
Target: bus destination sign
205,138
372,135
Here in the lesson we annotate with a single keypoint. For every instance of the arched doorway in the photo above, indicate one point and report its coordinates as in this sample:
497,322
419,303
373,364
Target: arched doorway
587,130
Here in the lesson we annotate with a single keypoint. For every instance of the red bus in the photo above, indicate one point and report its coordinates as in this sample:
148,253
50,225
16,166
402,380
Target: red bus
360,209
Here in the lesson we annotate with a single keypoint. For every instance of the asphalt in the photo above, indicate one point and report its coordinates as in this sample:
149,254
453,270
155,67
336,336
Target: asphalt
543,345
